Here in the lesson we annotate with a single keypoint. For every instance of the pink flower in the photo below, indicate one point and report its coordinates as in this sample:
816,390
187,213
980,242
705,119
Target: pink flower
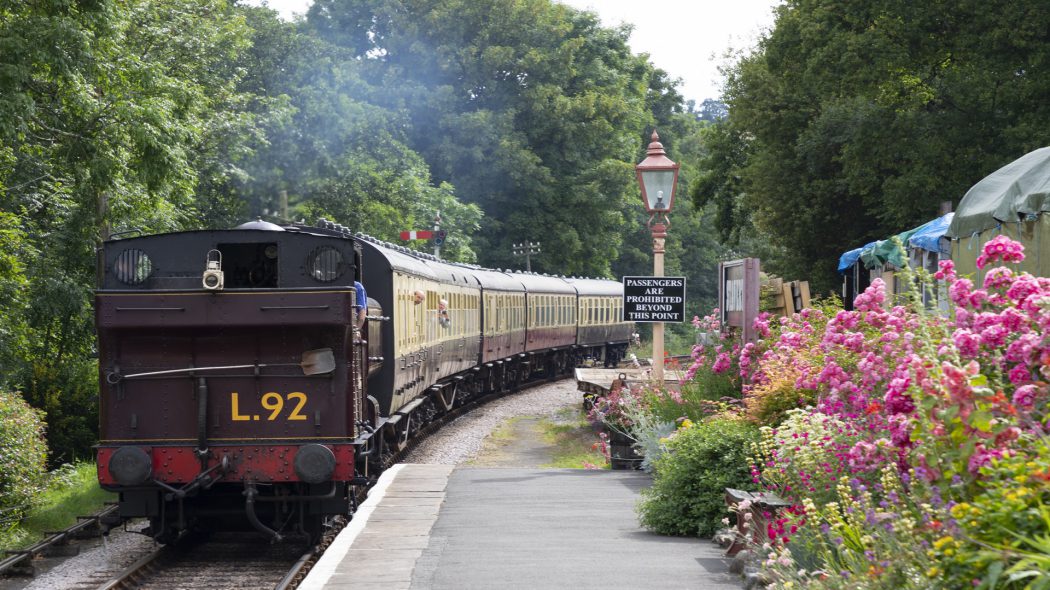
1001,248
981,457
721,364
998,277
1024,396
946,272
966,342
960,292
1020,375
994,336
872,298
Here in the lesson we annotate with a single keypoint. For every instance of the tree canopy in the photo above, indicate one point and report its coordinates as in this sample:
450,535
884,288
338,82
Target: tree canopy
863,117
513,119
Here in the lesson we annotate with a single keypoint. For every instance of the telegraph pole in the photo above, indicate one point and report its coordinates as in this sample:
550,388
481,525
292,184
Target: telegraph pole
527,249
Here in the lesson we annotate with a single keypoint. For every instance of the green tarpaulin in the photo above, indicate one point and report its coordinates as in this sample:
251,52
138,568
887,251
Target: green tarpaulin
1010,201
1011,194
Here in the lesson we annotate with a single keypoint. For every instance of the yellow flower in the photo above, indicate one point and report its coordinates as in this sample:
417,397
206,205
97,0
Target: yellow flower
933,572
687,424
942,542
960,509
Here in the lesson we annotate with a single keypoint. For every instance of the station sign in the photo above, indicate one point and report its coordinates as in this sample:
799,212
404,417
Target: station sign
654,299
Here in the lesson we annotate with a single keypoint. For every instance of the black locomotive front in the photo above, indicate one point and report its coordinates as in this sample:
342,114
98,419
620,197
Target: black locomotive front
232,377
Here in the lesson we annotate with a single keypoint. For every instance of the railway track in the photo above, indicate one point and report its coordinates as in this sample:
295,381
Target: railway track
20,562
221,561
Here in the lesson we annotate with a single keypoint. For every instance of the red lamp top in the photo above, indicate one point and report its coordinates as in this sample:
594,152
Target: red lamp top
658,178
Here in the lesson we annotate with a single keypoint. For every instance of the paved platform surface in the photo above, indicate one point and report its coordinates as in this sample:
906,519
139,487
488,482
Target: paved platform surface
438,527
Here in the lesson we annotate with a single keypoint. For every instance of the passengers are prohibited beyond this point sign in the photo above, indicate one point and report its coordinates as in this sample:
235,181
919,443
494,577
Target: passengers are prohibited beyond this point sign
654,299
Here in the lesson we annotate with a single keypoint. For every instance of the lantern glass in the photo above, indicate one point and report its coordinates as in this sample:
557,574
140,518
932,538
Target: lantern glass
658,186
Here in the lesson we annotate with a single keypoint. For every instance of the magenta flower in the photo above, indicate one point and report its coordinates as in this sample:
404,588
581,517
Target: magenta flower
1024,396
1000,248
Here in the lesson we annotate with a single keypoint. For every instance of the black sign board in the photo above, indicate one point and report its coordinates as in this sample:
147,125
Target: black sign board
654,299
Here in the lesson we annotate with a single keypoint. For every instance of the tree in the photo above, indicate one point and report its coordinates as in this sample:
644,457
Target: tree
864,117
528,108
109,109
338,154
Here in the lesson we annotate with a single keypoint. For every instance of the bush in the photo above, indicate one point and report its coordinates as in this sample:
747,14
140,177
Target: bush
687,496
23,453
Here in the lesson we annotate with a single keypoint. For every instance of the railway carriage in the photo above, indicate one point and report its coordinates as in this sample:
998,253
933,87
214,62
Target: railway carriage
551,321
601,334
236,389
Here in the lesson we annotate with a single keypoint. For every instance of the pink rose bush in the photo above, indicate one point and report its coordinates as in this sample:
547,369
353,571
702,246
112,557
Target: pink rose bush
878,422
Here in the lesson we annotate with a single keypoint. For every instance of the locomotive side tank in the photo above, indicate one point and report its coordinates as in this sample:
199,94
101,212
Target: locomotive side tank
227,365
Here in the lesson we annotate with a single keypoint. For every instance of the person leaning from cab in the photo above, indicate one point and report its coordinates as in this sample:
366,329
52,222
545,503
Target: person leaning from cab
360,304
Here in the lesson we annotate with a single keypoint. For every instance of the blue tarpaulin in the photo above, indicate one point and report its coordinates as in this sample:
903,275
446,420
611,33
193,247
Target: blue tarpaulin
928,237
850,258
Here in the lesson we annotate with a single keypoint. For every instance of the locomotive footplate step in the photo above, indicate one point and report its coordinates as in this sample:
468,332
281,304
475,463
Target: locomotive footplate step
439,527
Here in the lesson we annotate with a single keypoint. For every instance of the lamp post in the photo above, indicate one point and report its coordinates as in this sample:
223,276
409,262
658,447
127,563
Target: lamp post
658,177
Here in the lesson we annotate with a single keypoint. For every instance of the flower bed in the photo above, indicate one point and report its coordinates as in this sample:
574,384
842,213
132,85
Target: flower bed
913,447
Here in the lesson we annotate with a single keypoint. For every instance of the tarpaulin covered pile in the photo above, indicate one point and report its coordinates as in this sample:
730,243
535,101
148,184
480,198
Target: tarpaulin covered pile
1009,201
927,237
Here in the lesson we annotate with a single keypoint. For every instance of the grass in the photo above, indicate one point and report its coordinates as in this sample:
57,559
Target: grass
72,491
574,439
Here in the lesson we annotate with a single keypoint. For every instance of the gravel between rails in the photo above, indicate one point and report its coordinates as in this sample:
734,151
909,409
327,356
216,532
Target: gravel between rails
93,566
461,440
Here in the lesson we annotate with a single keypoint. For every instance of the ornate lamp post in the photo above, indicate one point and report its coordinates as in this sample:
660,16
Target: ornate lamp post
658,177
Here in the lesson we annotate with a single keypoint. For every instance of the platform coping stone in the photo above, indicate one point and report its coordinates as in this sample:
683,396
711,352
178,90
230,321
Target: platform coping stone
387,534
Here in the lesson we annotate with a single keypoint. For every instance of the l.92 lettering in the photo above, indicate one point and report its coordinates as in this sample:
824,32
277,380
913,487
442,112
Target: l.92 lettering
274,403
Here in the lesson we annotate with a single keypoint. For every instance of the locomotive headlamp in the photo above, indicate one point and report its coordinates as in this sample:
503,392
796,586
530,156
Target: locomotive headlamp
213,278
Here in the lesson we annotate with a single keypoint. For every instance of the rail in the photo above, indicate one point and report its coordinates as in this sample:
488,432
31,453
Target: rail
17,557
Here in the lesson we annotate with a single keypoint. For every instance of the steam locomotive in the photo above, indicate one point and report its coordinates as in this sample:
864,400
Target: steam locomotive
238,389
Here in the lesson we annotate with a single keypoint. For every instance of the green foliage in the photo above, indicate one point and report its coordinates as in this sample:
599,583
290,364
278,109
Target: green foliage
1005,528
863,118
529,108
68,492
691,477
117,115
23,453
14,332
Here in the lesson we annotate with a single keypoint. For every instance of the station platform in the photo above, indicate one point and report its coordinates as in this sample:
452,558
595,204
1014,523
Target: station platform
444,527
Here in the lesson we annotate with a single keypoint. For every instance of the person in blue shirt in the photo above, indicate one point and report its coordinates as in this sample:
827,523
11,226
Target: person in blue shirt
362,304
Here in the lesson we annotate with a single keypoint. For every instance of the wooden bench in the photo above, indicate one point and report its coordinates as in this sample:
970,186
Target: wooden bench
763,508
